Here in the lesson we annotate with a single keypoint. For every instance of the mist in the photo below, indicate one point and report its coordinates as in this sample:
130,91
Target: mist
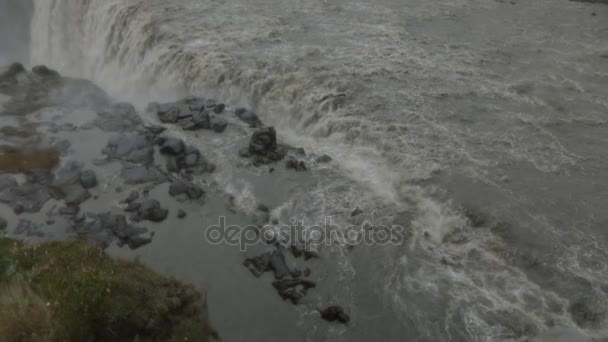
15,18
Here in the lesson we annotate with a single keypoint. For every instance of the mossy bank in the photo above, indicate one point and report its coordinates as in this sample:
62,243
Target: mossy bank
72,291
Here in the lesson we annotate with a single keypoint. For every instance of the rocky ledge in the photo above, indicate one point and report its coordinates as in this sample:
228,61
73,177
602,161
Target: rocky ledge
72,158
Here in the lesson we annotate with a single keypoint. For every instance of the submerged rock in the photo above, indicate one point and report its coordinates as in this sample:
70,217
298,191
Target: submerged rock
249,117
140,174
75,194
136,148
104,228
28,228
27,197
293,289
335,313
151,210
88,179
182,188
171,146
181,214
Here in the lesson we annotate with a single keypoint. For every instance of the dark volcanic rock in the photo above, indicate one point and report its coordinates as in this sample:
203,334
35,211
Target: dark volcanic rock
249,117
335,313
3,223
69,211
106,227
278,265
263,147
271,261
134,195
324,159
219,108
258,264
43,70
190,161
293,289
294,164
140,174
181,214
28,228
171,146
182,188
88,179
150,210
75,194
27,197
135,148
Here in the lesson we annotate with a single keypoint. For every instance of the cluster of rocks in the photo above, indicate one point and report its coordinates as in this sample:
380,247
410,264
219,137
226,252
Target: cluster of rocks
191,114
289,283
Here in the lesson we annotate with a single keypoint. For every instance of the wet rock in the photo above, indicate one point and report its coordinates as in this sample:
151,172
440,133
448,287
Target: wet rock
155,130
68,174
335,313
278,265
258,265
69,211
182,189
119,117
181,214
140,174
3,223
75,194
249,117
106,227
135,148
151,210
43,70
323,159
263,147
171,146
294,164
219,108
190,161
293,289
134,195
7,182
28,228
197,120
133,207
27,197
170,115
356,212
218,126
88,179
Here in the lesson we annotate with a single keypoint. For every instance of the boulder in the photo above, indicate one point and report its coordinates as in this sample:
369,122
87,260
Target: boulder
249,117
171,146
88,179
294,164
335,313
293,289
150,210
182,188
135,148
3,223
75,194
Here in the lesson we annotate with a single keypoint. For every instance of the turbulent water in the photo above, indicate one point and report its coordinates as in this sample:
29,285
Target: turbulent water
479,125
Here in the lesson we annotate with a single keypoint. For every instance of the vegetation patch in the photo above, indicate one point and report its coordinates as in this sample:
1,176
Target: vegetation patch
14,159
72,291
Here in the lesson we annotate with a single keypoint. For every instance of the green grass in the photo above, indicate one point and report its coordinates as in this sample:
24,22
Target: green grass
72,291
